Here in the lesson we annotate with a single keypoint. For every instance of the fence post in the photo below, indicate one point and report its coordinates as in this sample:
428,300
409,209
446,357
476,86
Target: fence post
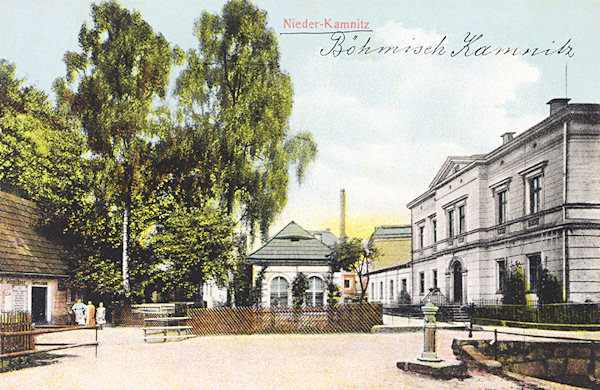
592,369
472,319
496,344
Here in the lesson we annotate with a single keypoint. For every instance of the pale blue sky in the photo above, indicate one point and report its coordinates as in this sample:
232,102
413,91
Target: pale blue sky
384,124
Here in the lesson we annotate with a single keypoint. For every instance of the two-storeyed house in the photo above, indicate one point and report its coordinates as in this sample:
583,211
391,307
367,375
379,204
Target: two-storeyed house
535,200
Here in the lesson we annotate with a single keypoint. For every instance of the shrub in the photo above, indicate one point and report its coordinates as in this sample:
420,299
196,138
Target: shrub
333,295
299,287
513,292
404,298
549,289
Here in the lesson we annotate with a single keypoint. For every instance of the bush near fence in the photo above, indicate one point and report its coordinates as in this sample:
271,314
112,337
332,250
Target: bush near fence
356,317
584,314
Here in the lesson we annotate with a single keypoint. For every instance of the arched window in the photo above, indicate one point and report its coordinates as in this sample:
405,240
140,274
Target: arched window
314,294
279,292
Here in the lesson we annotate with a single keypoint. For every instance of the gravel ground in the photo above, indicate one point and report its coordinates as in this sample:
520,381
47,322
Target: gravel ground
337,361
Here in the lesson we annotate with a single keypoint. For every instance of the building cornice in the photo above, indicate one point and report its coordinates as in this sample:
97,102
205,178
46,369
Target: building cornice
566,113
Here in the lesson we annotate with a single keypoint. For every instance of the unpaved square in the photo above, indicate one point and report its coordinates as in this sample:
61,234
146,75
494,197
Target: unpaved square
335,361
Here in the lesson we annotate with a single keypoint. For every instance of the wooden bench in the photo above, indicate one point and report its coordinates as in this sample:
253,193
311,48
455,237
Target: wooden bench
170,324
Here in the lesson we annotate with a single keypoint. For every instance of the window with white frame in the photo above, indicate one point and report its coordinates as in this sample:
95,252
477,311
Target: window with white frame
279,292
434,230
456,215
535,194
533,178
421,283
501,274
435,278
372,290
500,194
450,223
381,290
534,261
404,285
421,236
502,202
391,289
461,219
314,294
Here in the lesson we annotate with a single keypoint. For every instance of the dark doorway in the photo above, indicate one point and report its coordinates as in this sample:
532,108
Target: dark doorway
38,304
458,287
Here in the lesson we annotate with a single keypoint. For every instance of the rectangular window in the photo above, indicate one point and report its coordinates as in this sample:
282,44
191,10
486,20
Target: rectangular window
391,289
421,234
434,230
535,264
404,285
450,223
372,290
421,283
502,273
435,282
461,219
502,206
535,193
346,283
381,290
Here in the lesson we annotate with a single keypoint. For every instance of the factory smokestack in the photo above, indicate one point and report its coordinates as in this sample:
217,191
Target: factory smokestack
342,214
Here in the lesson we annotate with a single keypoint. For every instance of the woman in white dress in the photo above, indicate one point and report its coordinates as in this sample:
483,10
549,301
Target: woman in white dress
100,315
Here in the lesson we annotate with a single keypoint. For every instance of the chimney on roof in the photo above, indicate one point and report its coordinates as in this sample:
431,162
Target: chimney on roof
342,214
507,137
557,104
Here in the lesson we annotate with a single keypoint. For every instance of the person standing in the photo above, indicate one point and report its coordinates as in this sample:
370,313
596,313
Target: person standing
91,314
80,310
101,315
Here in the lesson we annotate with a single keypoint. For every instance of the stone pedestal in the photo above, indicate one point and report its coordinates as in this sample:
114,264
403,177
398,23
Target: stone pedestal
429,353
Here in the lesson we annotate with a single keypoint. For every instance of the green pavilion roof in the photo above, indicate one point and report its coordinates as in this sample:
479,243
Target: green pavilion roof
292,245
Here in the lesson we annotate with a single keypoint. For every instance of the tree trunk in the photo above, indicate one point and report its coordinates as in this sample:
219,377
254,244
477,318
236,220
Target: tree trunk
125,252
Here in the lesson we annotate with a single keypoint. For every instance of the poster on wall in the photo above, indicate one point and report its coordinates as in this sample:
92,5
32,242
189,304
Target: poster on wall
5,297
19,298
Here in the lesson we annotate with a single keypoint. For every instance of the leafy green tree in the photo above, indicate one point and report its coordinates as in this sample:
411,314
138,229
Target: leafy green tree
40,149
299,287
121,69
514,289
257,290
333,294
549,289
352,256
234,94
194,245
242,274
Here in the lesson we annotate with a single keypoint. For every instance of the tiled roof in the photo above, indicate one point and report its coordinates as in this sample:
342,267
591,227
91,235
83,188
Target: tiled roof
395,231
22,248
292,245
326,237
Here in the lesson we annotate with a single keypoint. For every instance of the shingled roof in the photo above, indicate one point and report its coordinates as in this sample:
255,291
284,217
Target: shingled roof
292,246
23,250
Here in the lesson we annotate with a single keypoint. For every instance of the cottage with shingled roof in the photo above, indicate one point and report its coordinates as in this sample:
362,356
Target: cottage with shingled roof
32,267
287,253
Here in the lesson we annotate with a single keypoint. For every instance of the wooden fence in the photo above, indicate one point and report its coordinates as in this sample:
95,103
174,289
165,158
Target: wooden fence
15,322
345,318
356,317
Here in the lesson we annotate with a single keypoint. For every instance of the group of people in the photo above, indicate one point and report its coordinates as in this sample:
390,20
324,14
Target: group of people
89,315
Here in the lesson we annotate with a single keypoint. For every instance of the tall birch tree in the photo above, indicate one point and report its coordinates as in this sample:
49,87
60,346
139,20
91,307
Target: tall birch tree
111,85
